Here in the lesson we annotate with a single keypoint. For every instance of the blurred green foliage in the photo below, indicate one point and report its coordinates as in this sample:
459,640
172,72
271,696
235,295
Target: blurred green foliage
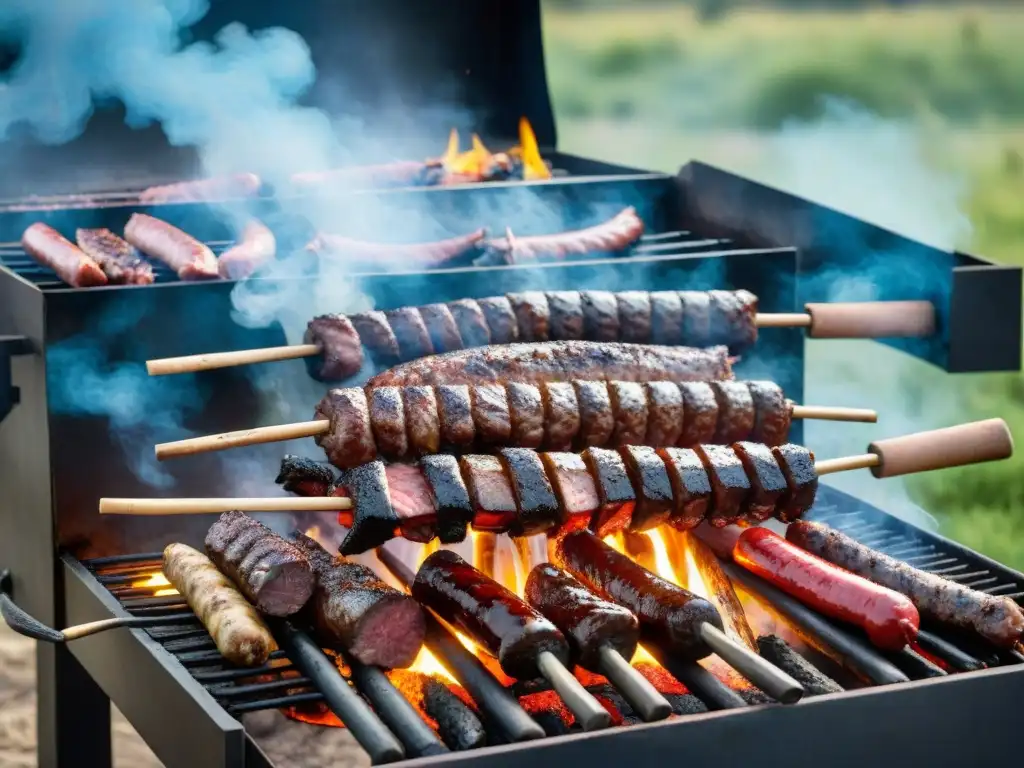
653,84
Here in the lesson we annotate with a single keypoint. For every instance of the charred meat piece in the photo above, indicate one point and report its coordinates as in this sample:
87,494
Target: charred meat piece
634,316
377,336
767,483
666,318
491,414
272,573
572,482
532,315
490,490
387,417
469,317
341,348
566,315
797,465
501,320
562,361
651,483
615,492
733,318
665,413
349,441
561,415
352,608
441,327
490,614
456,412
998,619
411,333
119,261
537,506
696,317
377,521
669,615
449,495
597,419
691,487
729,483
411,501
526,409
305,477
600,315
589,622
735,412
422,422
701,414
773,414
629,404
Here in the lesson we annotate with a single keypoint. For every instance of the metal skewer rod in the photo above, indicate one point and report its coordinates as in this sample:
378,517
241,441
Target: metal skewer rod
773,681
634,687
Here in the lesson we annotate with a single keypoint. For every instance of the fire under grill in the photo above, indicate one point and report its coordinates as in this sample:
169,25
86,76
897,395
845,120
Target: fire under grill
460,706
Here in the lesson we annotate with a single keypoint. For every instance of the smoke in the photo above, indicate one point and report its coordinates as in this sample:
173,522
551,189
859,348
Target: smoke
878,171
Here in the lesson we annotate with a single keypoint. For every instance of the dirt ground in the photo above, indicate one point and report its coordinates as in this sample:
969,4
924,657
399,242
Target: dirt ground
285,742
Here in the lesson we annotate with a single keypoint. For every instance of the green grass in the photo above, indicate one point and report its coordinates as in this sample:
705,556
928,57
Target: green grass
654,88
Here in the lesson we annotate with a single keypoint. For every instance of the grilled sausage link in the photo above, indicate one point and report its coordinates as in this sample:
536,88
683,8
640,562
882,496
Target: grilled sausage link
256,246
376,623
47,246
997,619
490,614
236,628
669,615
272,573
589,622
693,318
889,618
189,258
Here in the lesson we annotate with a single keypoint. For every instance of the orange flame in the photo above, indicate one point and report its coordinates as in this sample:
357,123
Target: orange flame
159,582
534,167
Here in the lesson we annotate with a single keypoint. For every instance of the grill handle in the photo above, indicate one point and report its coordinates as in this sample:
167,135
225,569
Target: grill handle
10,395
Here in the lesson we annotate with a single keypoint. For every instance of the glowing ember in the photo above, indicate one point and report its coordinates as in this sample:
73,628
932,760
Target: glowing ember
534,167
158,582
427,664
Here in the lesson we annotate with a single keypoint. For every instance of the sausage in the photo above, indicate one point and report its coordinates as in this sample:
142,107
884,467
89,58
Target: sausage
669,615
350,606
422,421
797,465
526,411
735,412
533,315
387,419
613,236
236,628
566,315
410,332
600,315
256,247
398,256
561,414
47,246
773,414
491,615
214,188
998,619
562,361
691,487
341,348
272,573
589,622
440,324
501,319
376,334
890,619
634,316
767,482
189,258
119,261
729,484
349,442
472,323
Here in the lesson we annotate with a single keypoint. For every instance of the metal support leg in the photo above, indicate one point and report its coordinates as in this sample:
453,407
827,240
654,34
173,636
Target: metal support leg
74,714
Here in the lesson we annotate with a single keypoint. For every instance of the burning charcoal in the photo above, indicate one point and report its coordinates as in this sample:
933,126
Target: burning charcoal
753,697
782,655
551,722
457,724
685,704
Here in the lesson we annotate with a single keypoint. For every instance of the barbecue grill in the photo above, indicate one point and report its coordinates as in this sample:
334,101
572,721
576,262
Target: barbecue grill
706,229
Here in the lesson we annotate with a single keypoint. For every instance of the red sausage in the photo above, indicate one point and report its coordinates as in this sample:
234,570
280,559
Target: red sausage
890,619
47,246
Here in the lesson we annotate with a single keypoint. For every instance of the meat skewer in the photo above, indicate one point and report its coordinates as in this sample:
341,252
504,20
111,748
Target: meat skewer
399,422
998,619
890,619
525,643
617,234
189,258
47,246
675,620
256,246
600,488
397,256
352,608
119,261
337,344
603,635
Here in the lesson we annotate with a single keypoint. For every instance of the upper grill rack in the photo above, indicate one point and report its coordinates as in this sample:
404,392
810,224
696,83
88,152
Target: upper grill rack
666,244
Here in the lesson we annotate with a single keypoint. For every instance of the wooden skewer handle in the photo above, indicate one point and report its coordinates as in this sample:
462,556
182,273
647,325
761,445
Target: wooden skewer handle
834,413
872,320
193,363
243,437
783,320
158,507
